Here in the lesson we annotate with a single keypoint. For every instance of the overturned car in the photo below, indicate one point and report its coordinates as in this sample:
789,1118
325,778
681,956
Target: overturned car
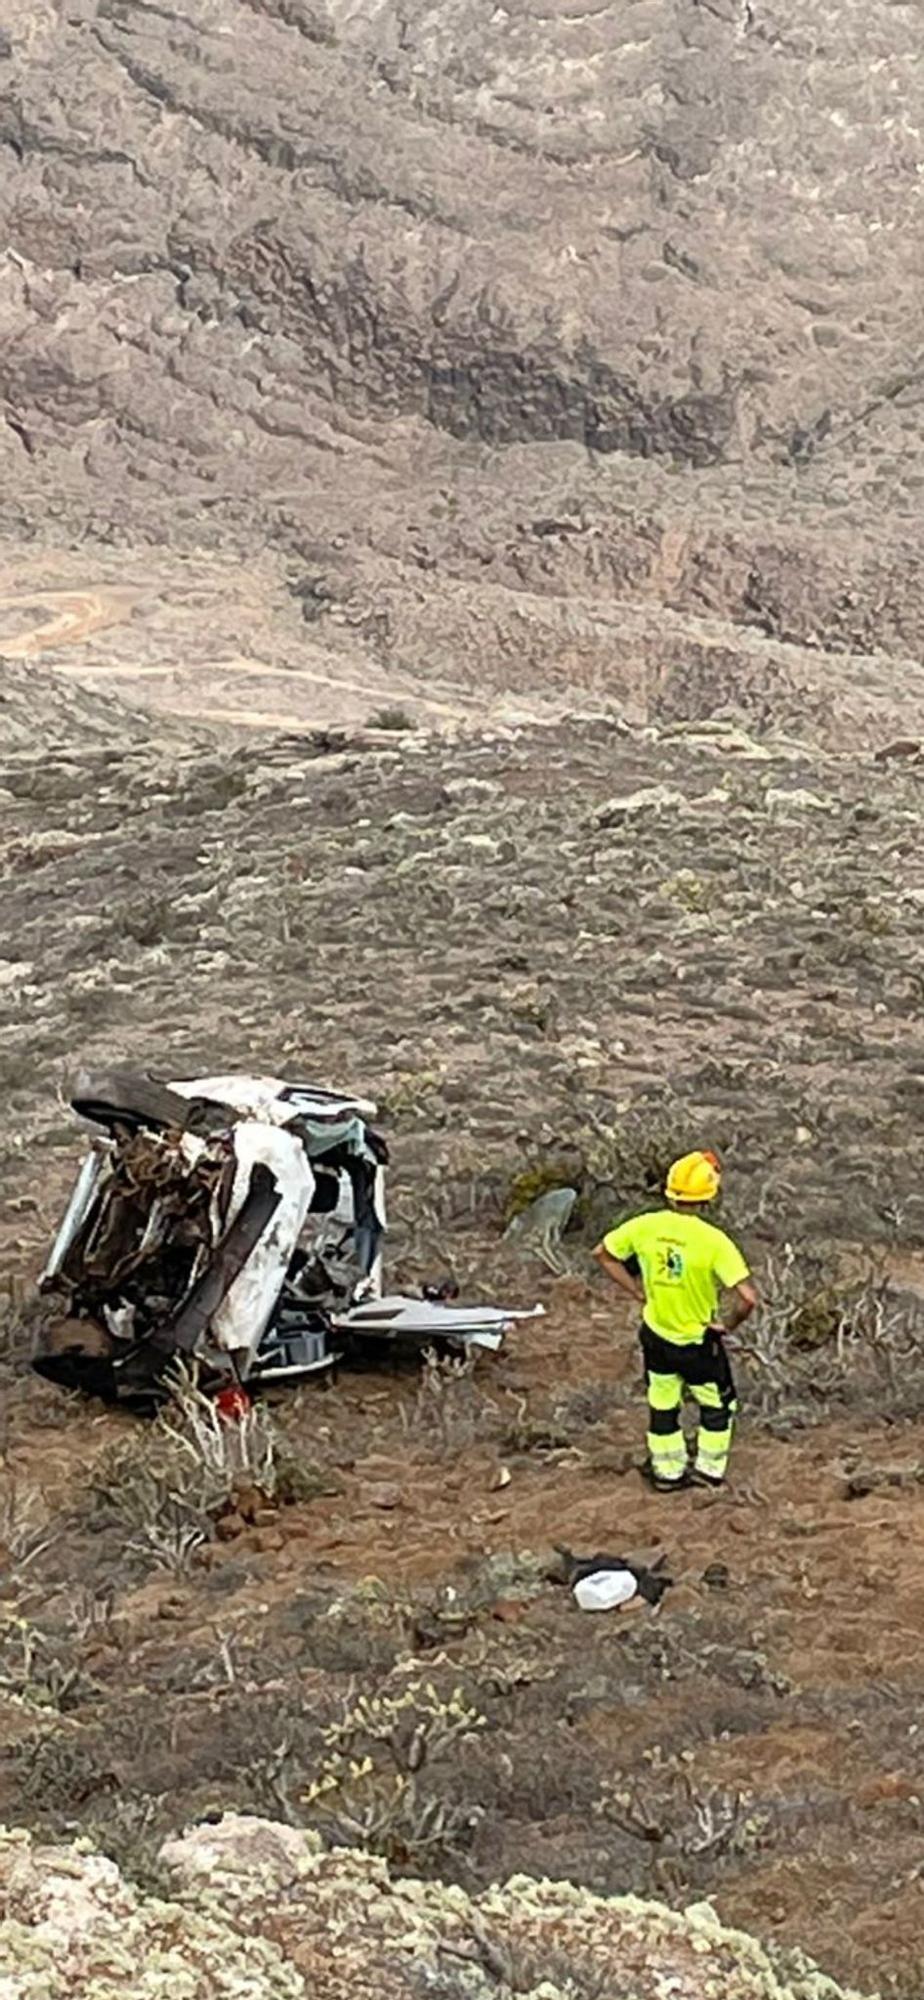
237,1221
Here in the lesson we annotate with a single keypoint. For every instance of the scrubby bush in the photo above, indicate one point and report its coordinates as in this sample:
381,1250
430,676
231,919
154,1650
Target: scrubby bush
449,1410
393,718
668,1812
168,1485
534,1181
378,1786
35,1668
824,1338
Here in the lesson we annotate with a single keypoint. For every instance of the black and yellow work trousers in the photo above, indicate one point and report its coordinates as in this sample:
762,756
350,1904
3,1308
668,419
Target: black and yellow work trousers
700,1368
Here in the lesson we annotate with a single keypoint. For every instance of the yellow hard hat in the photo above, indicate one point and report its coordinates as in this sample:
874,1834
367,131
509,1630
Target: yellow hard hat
697,1177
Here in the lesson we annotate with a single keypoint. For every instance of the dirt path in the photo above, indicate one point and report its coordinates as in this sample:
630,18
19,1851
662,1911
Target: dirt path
75,616
207,672
173,675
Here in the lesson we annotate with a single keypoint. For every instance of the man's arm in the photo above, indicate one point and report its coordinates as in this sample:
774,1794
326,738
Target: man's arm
742,1298
632,1286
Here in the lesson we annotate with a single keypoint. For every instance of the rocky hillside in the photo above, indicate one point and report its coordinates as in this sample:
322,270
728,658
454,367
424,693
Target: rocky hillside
563,952
257,1909
488,442
571,352
583,940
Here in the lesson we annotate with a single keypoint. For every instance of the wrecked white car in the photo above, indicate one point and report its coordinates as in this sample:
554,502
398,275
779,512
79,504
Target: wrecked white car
234,1220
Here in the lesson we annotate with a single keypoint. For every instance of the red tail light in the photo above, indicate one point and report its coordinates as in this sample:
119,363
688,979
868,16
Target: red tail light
232,1404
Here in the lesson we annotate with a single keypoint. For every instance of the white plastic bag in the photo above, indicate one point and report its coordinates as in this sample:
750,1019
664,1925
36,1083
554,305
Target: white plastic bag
605,1589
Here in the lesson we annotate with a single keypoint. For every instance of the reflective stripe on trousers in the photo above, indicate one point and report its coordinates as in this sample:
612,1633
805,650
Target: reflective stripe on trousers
716,1424
667,1448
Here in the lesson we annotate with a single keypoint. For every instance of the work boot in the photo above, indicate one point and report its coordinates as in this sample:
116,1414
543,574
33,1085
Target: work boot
661,1485
697,1478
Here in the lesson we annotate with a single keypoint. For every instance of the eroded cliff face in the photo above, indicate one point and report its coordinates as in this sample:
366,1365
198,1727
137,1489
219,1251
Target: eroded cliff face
494,336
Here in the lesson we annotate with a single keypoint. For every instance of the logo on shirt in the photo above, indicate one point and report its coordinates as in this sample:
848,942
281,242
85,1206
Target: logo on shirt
671,1263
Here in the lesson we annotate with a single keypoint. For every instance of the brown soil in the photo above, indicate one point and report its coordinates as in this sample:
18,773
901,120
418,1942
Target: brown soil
794,1684
571,983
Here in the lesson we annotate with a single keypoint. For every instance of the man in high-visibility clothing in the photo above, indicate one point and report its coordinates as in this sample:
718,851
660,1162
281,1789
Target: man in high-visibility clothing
676,1264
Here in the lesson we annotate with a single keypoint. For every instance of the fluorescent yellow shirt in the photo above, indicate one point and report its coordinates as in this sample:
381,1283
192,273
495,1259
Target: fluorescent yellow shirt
683,1262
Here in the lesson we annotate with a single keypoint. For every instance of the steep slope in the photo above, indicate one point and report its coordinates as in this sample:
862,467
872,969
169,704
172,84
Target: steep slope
553,924
503,334
568,951
550,374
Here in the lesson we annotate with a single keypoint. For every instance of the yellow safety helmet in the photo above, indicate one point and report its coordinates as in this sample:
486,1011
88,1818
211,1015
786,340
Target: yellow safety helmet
697,1177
